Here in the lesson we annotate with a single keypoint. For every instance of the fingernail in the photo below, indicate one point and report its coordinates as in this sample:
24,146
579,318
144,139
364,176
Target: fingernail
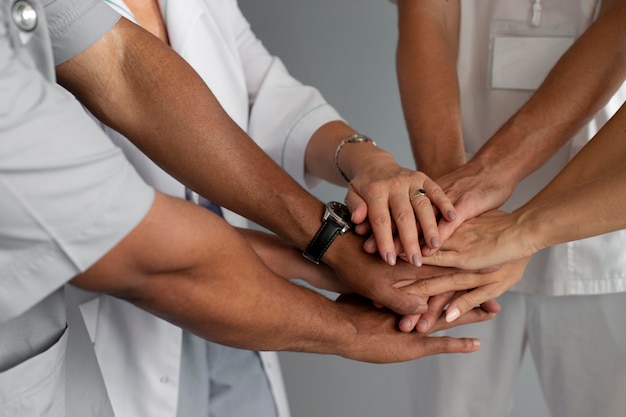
453,314
476,342
422,326
391,258
434,241
406,325
417,259
451,214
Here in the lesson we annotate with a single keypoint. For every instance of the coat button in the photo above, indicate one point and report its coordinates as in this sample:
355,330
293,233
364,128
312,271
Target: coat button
24,15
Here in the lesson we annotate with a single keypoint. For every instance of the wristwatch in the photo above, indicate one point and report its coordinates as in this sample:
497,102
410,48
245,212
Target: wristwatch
336,221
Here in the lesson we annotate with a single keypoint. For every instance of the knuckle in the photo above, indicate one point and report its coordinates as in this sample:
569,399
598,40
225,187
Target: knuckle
422,203
379,220
467,302
375,190
438,194
405,217
424,286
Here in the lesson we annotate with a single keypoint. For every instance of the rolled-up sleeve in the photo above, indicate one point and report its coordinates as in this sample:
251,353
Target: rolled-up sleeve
74,25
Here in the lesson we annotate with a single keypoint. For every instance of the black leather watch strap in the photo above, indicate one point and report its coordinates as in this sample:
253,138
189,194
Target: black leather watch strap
321,241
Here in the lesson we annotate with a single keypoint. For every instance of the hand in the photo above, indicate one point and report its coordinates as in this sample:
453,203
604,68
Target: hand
481,287
386,195
423,323
484,241
473,189
377,340
370,277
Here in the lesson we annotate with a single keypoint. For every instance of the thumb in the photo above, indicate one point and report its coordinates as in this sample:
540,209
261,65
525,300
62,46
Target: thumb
357,207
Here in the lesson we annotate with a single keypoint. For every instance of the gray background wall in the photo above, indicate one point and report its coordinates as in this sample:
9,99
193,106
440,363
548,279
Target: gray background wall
346,48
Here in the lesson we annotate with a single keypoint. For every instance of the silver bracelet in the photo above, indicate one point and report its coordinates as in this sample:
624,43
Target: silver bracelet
356,138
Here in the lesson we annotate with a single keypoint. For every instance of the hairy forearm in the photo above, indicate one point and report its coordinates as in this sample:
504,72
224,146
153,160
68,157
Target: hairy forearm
578,86
426,66
139,86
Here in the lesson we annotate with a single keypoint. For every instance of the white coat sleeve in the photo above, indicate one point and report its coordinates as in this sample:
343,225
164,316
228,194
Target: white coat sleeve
284,113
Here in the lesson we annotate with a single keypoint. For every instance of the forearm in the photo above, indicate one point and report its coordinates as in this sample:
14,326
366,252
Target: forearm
590,209
578,86
191,268
287,261
426,66
603,154
157,101
586,198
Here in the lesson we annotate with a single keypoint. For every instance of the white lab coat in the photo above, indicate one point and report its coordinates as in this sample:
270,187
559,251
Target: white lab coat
280,114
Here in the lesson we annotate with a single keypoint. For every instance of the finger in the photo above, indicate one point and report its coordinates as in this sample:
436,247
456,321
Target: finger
491,306
407,323
427,221
439,198
363,229
380,220
444,257
356,205
436,305
434,345
444,283
403,213
369,245
401,302
475,315
467,302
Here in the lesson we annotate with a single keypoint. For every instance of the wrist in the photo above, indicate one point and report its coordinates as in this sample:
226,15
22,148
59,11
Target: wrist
512,153
529,230
346,148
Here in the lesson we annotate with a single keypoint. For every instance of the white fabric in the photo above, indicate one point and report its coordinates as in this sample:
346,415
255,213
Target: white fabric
139,353
591,266
577,341
578,344
596,265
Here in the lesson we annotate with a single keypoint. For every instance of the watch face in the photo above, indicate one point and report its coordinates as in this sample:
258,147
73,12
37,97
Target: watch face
339,212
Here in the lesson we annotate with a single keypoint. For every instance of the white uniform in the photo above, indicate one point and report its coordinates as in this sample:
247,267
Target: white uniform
578,343
280,114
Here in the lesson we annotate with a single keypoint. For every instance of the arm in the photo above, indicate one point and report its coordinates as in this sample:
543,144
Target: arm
287,261
200,274
426,65
596,66
584,200
133,82
380,191
293,123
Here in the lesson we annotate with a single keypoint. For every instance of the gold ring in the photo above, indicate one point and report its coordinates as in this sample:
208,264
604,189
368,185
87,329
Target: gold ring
420,193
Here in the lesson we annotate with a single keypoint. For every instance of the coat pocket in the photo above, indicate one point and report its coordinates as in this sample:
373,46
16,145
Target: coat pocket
36,387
